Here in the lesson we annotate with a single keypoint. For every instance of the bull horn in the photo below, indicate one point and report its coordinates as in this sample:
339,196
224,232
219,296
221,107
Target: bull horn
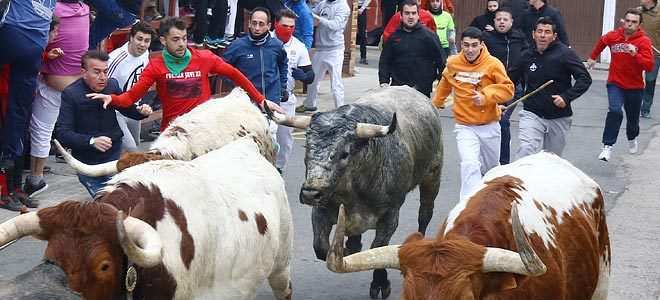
300,122
18,227
367,130
105,169
376,258
140,242
525,262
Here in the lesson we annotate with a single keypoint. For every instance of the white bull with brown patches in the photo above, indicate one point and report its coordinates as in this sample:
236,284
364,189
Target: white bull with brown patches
207,127
211,228
534,230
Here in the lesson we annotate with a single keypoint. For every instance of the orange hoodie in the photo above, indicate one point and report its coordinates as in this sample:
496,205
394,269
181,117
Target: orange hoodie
485,75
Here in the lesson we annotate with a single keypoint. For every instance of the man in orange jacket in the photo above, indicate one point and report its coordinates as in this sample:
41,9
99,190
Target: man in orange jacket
480,84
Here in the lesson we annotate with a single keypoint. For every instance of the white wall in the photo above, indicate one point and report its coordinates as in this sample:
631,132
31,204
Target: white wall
609,13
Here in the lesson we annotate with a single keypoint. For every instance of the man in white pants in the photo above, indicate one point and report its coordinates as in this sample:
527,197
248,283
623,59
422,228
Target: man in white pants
299,69
479,82
126,65
330,18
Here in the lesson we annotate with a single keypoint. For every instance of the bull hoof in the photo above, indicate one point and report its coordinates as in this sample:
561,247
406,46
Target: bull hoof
321,254
384,290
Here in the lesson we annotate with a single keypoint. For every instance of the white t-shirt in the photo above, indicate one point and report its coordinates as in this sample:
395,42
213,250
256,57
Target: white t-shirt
298,56
126,68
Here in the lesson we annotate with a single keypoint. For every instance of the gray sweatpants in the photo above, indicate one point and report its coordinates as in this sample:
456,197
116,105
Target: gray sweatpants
538,134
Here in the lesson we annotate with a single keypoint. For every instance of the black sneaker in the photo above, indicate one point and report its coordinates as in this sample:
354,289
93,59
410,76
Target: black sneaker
10,203
34,189
364,61
25,199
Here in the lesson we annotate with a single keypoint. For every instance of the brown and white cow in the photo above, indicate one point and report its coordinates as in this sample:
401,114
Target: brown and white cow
207,127
212,228
535,230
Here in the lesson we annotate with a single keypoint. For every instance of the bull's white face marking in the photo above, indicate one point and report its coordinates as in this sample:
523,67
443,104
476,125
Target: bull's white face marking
550,181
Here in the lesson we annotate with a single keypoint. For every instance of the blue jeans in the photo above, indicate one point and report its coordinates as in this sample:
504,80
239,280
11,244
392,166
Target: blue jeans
24,60
630,100
93,184
505,125
110,17
649,88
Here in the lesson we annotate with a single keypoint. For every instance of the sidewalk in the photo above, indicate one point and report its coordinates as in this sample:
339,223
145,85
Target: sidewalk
633,225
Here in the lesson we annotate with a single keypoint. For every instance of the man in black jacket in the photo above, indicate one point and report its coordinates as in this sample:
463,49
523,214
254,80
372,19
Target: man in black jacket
538,9
485,22
507,44
546,117
413,55
83,125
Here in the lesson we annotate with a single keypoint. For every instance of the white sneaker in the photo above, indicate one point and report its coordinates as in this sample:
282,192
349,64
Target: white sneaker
633,146
606,153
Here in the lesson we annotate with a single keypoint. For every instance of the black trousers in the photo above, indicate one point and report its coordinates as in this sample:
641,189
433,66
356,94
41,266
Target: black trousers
362,33
388,9
216,27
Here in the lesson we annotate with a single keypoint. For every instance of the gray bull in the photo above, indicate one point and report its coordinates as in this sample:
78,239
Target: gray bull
370,168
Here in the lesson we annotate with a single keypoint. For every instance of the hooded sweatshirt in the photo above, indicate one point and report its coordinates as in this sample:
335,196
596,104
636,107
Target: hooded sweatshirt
485,75
625,69
333,16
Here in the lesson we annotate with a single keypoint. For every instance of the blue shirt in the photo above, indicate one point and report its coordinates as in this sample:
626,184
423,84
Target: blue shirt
266,66
304,23
33,18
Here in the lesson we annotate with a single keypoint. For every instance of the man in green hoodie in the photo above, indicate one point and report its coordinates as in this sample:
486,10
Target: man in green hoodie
444,26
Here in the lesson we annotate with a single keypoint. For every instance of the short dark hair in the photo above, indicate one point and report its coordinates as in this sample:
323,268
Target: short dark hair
409,3
54,22
635,11
546,21
472,32
286,13
143,27
93,54
261,9
505,10
169,22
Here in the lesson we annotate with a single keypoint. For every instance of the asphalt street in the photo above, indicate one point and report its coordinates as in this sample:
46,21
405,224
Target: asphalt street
629,182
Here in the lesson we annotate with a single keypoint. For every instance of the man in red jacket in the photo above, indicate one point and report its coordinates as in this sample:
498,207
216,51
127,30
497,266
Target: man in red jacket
631,56
181,76
425,18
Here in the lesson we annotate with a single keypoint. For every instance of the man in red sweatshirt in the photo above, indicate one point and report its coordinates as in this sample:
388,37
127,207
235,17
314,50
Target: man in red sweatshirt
631,56
181,76
425,18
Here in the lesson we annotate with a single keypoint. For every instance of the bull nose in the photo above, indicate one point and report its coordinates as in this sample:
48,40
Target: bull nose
309,196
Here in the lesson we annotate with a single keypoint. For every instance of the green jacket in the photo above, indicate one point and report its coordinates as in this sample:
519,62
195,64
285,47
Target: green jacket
444,24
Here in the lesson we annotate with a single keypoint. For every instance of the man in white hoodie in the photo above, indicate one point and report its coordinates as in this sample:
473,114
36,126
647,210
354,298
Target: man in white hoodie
126,64
330,18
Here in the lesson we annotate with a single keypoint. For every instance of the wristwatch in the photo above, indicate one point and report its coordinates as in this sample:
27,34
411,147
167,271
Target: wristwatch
91,141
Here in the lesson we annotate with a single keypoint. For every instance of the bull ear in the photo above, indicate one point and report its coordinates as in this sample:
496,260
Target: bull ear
417,236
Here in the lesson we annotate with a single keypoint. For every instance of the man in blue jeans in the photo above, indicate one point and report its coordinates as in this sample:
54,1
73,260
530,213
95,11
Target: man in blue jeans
631,56
23,38
91,131
110,15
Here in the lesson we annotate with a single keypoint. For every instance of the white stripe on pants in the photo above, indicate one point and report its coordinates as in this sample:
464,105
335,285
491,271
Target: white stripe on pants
233,8
131,130
45,109
479,149
327,61
284,133
538,134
